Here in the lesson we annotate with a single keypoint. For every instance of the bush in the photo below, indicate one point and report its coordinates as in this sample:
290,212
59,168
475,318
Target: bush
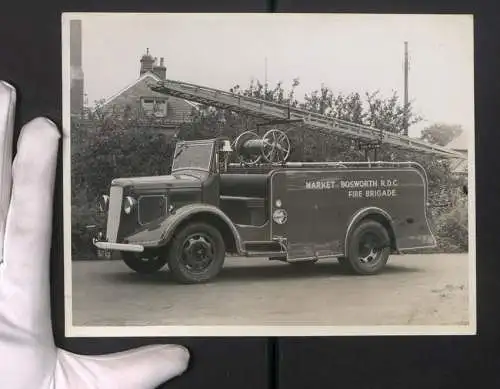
99,154
452,226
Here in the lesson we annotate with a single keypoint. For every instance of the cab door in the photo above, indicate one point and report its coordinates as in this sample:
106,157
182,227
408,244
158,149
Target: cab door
291,214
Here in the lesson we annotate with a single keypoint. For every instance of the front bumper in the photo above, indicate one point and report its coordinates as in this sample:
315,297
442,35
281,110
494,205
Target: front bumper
119,246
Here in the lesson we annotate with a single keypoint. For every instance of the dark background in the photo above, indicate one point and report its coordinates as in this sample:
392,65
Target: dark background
30,59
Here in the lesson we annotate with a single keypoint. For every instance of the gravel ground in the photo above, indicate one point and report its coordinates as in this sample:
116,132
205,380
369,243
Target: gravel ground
413,289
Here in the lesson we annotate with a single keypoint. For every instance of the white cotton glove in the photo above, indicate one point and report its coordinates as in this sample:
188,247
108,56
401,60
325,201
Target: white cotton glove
29,358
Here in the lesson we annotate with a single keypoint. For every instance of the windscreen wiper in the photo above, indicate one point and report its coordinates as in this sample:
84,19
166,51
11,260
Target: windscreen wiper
181,149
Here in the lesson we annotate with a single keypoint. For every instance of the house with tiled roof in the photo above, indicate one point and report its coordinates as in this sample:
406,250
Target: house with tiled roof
139,103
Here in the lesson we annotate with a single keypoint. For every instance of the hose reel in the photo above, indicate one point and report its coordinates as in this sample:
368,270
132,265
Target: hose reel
274,147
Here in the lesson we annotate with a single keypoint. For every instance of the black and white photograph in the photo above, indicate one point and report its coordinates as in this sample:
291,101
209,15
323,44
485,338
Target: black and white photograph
268,174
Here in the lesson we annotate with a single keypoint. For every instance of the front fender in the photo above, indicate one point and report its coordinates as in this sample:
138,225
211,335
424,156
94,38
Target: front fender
159,233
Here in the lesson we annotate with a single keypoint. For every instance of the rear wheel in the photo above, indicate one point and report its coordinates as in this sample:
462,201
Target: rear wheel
147,262
369,249
196,253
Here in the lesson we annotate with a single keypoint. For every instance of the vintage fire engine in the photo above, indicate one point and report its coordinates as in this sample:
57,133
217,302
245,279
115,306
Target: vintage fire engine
264,206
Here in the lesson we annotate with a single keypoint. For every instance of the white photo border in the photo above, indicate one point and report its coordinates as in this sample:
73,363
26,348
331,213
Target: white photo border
243,330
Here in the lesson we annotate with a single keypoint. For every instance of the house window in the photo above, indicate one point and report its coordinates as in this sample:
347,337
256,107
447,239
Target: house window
154,106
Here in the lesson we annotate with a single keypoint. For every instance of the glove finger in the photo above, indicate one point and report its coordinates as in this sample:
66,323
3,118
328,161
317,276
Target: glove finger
143,368
7,108
25,278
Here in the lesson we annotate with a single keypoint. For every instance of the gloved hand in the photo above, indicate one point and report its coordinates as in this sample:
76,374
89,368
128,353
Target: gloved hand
29,358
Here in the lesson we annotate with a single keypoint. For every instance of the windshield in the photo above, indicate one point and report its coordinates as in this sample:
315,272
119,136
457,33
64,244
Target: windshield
192,156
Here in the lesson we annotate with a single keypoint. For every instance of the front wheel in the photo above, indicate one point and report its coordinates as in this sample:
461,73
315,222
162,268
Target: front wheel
196,253
369,249
147,262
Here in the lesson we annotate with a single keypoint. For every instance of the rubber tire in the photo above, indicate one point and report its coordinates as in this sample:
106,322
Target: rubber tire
141,267
179,272
352,263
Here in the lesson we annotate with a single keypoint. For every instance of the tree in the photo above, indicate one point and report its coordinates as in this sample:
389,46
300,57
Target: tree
388,114
374,110
441,134
99,155
103,151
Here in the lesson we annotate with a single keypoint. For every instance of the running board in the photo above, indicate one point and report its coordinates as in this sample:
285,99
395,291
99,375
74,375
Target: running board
263,254
263,249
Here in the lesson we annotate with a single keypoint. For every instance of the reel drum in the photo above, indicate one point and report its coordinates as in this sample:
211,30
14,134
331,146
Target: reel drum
274,147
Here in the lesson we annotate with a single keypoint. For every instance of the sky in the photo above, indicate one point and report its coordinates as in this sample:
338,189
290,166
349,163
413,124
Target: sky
346,52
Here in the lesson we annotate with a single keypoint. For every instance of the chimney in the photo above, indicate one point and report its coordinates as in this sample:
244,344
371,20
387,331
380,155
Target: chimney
147,62
77,77
160,70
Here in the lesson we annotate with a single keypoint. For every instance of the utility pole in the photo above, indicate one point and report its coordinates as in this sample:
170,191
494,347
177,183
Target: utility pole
405,124
265,77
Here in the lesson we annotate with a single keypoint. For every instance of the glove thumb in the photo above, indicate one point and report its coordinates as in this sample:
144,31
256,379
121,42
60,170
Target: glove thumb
142,368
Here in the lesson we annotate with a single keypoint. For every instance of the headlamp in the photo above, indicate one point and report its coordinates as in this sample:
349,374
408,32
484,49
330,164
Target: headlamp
103,203
129,205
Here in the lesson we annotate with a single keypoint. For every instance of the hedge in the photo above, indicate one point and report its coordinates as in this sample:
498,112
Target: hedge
103,152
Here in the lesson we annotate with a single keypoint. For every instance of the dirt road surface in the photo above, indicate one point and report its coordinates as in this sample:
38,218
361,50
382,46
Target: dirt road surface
413,289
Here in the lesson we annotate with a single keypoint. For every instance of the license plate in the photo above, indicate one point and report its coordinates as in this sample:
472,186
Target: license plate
103,254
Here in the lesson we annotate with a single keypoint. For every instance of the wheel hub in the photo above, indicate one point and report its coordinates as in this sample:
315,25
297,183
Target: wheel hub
369,249
198,252
372,255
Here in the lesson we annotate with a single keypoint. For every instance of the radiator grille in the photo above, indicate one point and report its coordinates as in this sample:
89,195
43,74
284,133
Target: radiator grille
114,213
151,208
